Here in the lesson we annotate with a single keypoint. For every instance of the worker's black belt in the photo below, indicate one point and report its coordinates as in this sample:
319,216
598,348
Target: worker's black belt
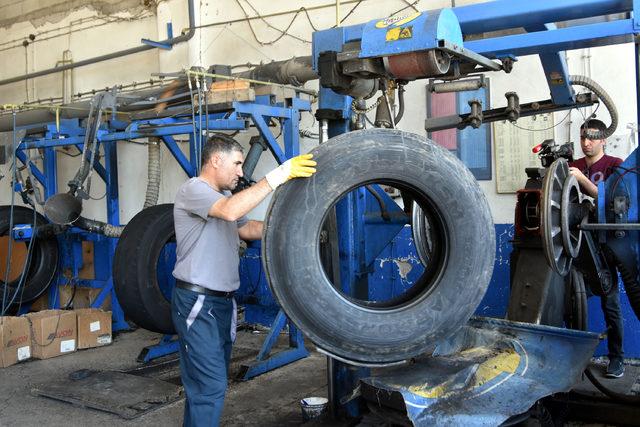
202,290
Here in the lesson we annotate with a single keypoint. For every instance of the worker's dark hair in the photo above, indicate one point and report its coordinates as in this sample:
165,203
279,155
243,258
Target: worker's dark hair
592,124
219,143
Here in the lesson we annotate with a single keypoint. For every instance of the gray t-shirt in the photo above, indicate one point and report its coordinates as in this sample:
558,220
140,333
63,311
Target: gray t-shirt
207,247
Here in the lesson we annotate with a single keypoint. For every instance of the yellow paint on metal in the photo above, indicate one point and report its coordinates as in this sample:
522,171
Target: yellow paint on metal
506,361
398,33
393,34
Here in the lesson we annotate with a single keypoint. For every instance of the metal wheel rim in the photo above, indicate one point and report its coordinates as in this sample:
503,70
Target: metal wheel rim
550,217
571,239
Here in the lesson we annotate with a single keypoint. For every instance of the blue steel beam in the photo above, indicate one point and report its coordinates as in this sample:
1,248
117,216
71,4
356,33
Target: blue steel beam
177,153
262,126
556,71
504,14
100,170
34,169
50,169
264,110
542,42
147,132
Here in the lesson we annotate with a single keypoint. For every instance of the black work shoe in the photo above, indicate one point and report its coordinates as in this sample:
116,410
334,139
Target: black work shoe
615,368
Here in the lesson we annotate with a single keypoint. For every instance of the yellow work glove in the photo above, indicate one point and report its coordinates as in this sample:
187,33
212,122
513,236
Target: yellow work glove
297,167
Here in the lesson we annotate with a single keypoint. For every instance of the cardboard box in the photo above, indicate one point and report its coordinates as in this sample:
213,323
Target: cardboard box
83,297
53,332
94,327
15,338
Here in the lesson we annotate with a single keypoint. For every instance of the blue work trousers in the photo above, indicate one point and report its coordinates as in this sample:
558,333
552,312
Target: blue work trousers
610,305
206,329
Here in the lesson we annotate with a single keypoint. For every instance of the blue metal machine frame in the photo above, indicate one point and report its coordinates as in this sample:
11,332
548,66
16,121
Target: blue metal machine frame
237,116
541,38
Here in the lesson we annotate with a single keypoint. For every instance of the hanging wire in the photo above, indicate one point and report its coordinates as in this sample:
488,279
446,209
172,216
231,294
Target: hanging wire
544,129
193,117
20,286
284,32
14,174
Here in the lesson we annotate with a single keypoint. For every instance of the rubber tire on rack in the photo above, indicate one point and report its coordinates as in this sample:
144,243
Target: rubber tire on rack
134,268
291,253
44,260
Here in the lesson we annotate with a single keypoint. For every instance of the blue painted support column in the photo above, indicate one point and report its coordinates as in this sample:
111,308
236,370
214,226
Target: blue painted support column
291,134
104,249
265,361
556,71
50,172
350,213
50,184
344,378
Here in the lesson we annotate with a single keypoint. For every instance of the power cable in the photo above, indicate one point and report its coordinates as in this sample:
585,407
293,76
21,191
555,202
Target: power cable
547,128
11,209
21,282
408,5
282,32
287,12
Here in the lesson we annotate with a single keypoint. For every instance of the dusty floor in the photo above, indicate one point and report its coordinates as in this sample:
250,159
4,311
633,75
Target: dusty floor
269,400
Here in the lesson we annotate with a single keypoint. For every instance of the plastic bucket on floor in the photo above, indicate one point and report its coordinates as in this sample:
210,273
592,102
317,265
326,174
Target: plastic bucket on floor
313,407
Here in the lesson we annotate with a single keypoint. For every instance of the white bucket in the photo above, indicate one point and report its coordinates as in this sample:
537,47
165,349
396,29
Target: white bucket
313,407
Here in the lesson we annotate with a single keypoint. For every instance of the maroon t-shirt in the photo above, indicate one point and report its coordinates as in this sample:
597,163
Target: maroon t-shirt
600,170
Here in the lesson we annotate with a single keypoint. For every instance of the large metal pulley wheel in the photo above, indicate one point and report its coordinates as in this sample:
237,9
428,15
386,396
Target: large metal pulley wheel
560,216
571,199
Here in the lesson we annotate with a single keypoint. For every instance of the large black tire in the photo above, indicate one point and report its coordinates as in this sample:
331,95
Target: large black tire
44,258
360,332
135,276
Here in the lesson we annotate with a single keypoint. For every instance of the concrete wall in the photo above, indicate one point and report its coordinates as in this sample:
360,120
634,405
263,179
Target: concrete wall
234,43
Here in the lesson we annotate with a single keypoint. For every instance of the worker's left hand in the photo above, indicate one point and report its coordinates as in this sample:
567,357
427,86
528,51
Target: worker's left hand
580,177
297,167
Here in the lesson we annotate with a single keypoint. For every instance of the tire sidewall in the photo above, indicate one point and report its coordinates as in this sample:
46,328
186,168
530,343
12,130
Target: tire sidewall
292,229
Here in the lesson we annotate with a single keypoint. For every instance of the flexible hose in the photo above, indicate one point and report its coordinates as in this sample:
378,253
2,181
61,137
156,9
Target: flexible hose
606,100
153,175
113,230
400,104
99,227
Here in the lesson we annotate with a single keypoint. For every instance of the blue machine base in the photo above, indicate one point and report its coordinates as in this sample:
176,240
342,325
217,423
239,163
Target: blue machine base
168,345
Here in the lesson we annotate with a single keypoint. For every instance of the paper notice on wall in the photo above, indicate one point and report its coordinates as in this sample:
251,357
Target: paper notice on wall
513,144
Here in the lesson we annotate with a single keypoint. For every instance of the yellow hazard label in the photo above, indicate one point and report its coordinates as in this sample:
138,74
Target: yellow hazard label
394,34
397,21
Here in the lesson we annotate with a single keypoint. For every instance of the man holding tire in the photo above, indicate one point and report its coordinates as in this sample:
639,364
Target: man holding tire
209,223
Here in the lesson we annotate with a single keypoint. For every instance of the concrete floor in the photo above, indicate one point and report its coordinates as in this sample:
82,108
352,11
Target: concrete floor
269,400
